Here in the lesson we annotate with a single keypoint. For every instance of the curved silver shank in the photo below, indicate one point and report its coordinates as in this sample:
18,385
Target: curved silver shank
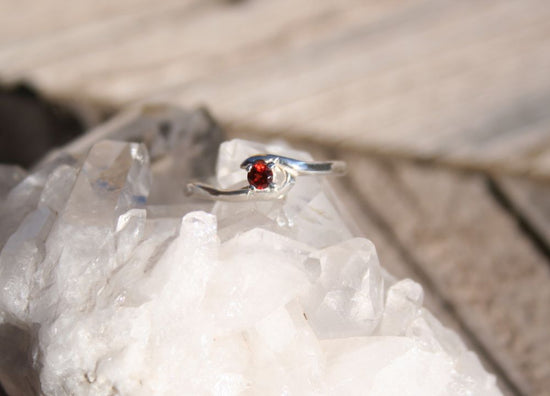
290,168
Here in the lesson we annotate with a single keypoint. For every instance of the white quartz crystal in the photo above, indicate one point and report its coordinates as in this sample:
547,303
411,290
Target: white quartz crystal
103,294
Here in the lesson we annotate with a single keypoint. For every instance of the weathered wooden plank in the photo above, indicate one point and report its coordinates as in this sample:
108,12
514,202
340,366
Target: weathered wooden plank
464,82
29,19
474,256
530,200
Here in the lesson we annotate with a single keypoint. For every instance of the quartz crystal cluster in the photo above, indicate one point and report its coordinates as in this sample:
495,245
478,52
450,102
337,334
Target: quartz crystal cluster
112,282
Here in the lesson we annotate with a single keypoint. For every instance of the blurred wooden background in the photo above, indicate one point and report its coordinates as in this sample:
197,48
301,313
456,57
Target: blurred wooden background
442,107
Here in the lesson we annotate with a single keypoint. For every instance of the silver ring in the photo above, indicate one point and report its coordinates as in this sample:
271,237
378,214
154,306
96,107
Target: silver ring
269,177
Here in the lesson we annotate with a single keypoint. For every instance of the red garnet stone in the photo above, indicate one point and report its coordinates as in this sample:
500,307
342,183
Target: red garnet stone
260,176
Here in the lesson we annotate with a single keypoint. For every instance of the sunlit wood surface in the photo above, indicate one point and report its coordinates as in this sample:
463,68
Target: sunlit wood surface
463,81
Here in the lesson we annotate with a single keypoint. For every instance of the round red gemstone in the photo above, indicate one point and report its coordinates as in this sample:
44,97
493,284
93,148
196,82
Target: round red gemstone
259,175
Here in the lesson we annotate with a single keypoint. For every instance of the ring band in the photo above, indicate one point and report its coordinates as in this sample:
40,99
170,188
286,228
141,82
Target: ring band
269,177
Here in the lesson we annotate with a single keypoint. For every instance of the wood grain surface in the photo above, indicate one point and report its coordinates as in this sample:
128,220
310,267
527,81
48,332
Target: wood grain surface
464,82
